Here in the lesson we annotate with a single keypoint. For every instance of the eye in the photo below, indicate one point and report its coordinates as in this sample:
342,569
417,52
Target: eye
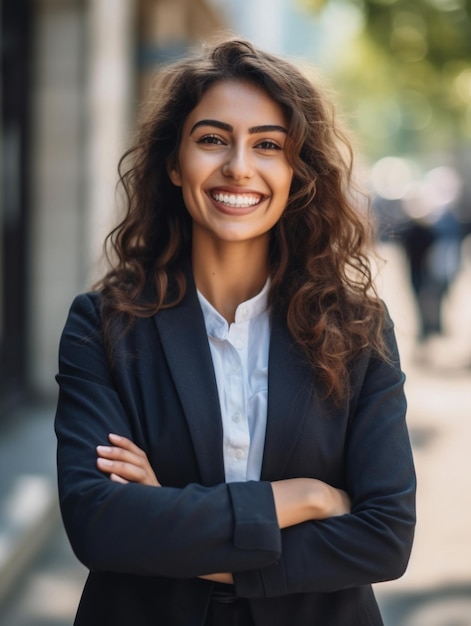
268,144
214,140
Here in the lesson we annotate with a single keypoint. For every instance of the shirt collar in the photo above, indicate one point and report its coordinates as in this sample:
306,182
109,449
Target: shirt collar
216,324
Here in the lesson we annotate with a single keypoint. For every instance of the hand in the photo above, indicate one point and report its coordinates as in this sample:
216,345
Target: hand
302,499
125,462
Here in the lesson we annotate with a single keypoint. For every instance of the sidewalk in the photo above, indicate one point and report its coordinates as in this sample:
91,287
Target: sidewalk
28,500
436,589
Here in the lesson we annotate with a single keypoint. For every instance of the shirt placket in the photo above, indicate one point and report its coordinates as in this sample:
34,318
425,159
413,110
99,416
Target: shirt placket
238,437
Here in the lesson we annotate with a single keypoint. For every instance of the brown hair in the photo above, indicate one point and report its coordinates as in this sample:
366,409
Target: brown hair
321,277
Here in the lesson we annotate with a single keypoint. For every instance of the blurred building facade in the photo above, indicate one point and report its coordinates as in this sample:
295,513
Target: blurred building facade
73,72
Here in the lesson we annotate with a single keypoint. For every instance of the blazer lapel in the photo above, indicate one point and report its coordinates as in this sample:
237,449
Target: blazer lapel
290,392
184,340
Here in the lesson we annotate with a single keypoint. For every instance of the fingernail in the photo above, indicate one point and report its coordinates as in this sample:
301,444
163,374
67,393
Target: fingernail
114,436
103,449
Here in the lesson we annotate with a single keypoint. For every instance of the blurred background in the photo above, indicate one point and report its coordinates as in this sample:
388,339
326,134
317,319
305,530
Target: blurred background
72,76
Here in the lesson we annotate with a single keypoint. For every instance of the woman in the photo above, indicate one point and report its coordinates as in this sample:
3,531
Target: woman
231,438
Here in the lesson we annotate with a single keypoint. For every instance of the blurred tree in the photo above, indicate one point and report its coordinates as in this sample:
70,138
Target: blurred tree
412,61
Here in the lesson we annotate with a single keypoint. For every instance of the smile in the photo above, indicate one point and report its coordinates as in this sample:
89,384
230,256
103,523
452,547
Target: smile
236,200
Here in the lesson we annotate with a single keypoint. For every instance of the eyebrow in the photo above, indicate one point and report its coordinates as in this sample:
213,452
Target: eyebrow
265,128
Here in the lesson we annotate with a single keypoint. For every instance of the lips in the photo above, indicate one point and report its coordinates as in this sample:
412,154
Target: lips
236,200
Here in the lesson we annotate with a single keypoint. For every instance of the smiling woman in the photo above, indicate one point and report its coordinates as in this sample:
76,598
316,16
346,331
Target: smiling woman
232,446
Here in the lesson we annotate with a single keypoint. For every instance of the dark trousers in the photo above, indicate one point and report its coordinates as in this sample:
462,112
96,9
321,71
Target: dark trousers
225,609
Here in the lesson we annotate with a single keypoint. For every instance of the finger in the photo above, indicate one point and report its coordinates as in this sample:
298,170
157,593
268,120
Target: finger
125,443
118,479
127,471
119,454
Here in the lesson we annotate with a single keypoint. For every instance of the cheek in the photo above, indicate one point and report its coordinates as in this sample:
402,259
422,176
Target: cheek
284,180
193,172
188,179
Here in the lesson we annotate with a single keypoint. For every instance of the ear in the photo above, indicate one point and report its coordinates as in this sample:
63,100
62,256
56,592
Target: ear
173,171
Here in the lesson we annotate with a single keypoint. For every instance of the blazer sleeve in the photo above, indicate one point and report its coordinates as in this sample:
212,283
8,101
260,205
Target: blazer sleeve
374,541
136,529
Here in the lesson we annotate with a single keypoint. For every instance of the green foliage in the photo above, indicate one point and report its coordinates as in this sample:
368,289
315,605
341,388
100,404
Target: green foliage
406,79
437,30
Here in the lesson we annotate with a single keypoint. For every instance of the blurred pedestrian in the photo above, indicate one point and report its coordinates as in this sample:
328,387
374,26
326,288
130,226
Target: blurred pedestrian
232,446
423,220
433,251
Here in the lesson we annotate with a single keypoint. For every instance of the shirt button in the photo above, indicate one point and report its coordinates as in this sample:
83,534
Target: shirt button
239,454
239,344
236,417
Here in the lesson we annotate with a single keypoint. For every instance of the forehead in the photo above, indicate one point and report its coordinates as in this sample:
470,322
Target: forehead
237,102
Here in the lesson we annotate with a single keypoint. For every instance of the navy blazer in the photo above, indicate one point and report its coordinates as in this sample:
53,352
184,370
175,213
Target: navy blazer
146,546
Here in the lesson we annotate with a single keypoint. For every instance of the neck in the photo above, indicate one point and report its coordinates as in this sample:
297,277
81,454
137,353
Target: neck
229,273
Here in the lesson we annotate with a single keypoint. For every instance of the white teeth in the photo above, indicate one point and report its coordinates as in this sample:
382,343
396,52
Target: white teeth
234,200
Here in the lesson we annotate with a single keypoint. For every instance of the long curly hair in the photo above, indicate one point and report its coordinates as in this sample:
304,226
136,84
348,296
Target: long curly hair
321,280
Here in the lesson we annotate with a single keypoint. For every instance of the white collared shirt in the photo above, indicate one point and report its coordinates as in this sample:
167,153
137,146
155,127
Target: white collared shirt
240,359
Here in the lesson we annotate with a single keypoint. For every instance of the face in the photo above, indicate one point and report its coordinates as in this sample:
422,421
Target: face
232,166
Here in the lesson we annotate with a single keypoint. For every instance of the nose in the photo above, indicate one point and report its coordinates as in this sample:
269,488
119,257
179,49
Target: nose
239,165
